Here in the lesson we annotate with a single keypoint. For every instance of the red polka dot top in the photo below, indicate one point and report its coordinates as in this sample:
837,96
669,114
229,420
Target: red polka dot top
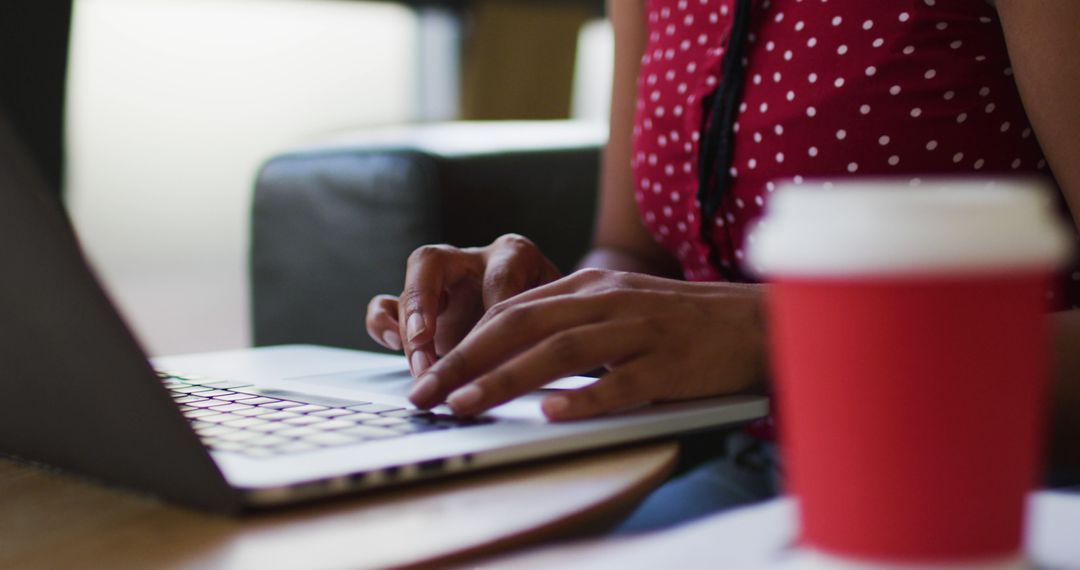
831,88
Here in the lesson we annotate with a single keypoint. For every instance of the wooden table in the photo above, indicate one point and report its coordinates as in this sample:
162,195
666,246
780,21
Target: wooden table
54,521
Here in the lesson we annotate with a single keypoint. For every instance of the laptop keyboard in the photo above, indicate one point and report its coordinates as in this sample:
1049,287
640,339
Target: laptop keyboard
230,416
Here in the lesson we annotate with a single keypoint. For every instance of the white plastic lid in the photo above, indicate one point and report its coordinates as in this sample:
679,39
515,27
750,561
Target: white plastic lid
874,227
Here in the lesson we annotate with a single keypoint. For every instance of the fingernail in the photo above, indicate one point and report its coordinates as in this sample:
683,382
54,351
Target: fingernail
555,405
424,390
419,362
464,399
392,339
414,326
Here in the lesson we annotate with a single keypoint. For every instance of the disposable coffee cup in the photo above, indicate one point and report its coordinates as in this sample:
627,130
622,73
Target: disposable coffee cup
910,355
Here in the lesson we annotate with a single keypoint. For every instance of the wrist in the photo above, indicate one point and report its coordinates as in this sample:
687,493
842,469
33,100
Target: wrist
619,259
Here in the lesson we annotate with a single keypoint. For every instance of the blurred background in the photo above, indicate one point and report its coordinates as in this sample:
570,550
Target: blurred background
173,105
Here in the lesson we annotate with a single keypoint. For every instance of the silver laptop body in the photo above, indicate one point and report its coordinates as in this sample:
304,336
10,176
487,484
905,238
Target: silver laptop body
81,395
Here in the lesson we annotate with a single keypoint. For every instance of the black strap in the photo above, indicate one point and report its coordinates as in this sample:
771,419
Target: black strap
717,141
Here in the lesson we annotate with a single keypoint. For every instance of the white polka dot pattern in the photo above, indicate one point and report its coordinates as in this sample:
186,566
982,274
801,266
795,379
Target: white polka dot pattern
832,88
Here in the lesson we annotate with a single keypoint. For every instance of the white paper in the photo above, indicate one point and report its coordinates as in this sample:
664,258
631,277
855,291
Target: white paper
763,536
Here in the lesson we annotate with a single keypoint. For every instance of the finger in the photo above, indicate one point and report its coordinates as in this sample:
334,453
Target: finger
452,329
432,269
627,386
382,324
420,358
562,354
566,285
514,264
518,327
464,305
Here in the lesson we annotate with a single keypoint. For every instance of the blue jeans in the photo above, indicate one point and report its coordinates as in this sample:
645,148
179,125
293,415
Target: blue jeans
746,470
738,470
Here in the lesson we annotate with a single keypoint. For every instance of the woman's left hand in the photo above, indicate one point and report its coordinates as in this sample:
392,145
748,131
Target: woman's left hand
659,339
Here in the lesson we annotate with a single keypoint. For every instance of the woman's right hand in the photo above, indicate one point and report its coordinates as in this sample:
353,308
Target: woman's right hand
447,290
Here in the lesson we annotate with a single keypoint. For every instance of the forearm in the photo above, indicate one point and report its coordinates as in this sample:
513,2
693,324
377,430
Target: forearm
620,240
1042,40
1065,397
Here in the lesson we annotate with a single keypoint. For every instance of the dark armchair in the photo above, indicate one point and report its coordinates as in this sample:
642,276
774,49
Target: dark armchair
334,223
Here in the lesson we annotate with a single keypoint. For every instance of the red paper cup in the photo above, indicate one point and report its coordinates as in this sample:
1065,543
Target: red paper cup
910,354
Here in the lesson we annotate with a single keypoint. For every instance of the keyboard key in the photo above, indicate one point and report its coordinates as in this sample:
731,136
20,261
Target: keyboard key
334,424
359,417
226,446
281,404
254,412
268,440
332,412
369,432
193,413
296,447
329,439
258,452
270,427
386,422
215,393
308,408
304,420
280,416
234,397
217,430
188,389
407,413
231,408
260,400
238,435
187,408
188,399
221,418
245,423
375,408
206,404
325,401
298,431
196,425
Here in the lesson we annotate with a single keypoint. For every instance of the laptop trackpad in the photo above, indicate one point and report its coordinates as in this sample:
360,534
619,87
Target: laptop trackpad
393,381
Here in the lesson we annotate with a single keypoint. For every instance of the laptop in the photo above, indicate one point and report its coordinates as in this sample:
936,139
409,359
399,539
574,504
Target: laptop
245,429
